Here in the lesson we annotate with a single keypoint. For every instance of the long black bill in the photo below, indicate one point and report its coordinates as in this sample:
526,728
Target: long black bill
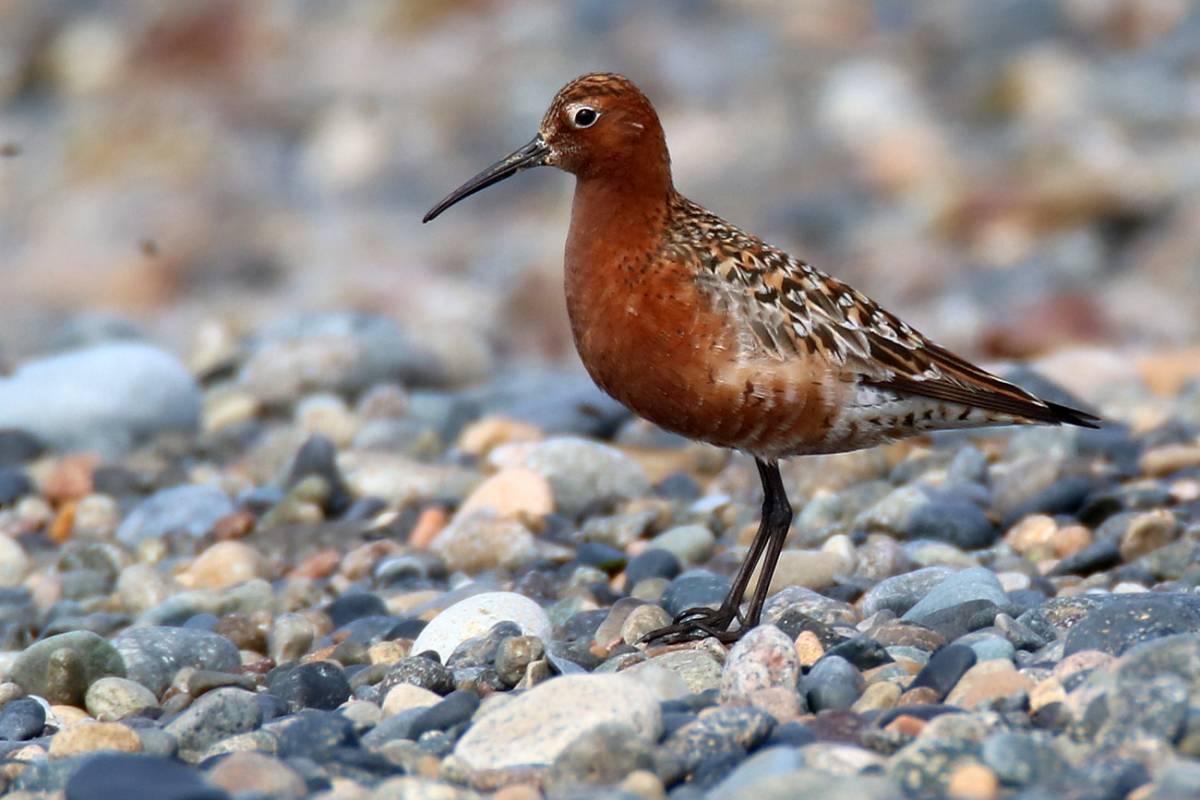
531,155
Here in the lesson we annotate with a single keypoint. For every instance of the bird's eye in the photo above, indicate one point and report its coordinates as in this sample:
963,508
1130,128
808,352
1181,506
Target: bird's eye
585,117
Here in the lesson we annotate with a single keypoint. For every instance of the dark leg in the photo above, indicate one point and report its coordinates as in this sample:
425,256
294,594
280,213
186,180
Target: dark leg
697,623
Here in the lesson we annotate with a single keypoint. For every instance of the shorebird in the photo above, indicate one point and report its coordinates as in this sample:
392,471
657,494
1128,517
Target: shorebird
709,332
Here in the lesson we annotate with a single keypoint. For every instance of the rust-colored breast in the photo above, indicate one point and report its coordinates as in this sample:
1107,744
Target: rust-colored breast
655,340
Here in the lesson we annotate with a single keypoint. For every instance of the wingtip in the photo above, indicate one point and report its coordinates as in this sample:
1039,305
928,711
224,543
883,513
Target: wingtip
1065,415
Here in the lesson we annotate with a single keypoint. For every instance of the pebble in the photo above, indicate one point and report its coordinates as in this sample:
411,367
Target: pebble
944,669
61,668
975,583
315,684
107,398
482,541
690,544
134,775
88,737
833,684
225,564
22,719
580,472
519,494
812,569
537,726
699,669
987,681
193,510
601,756
113,698
901,592
694,590
763,658
406,696
256,773
153,654
213,717
654,562
1122,622
476,615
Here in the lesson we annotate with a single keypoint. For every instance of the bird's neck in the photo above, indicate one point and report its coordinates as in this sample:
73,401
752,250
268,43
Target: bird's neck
619,213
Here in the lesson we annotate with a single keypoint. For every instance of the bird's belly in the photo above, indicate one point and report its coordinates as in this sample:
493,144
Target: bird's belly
668,360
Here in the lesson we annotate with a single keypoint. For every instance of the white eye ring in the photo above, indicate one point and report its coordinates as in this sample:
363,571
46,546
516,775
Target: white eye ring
584,117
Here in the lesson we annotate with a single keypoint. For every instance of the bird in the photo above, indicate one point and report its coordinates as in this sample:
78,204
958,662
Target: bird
709,332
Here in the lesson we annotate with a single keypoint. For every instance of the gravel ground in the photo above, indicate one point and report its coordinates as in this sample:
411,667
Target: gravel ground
291,577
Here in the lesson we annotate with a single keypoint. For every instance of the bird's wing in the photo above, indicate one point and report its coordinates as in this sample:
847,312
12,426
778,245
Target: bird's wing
789,309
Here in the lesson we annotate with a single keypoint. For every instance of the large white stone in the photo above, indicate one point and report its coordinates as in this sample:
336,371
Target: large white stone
536,726
476,615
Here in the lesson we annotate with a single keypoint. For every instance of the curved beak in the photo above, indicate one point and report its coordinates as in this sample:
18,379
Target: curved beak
532,154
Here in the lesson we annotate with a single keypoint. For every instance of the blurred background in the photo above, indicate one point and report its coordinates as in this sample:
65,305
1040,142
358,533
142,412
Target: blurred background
1013,176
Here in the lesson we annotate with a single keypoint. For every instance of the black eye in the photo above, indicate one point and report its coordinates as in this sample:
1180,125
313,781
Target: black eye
585,117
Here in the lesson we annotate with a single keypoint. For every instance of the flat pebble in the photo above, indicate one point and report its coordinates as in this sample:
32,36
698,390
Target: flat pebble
537,726
88,737
976,583
110,699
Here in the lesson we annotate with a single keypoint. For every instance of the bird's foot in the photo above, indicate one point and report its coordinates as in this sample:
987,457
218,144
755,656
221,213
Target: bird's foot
698,623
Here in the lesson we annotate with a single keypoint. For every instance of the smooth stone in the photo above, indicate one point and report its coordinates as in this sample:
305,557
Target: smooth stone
106,398
582,473
312,734
1125,621
538,725
482,541
105,776
317,457
14,563
765,657
960,523
454,709
22,719
191,509
641,621
14,484
722,734
944,669
290,637
695,590
111,699
654,562
88,737
812,569
518,494
690,544
61,667
988,681
699,669
975,583
665,684
154,654
1021,759
405,696
225,564
214,716
601,756
475,616
343,352
988,646
833,683
255,773
861,651
314,684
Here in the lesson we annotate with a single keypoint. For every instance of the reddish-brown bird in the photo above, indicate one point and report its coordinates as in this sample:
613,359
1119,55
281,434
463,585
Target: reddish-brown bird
711,333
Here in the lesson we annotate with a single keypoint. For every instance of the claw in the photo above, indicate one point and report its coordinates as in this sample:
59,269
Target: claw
698,623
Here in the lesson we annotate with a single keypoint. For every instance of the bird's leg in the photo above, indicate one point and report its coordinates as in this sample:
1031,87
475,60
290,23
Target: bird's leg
695,623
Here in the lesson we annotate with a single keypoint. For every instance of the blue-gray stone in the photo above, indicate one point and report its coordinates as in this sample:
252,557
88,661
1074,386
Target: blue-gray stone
22,719
975,583
901,592
834,683
105,398
191,509
108,775
154,654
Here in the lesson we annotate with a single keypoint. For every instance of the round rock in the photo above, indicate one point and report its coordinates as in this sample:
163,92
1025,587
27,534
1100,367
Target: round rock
475,616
